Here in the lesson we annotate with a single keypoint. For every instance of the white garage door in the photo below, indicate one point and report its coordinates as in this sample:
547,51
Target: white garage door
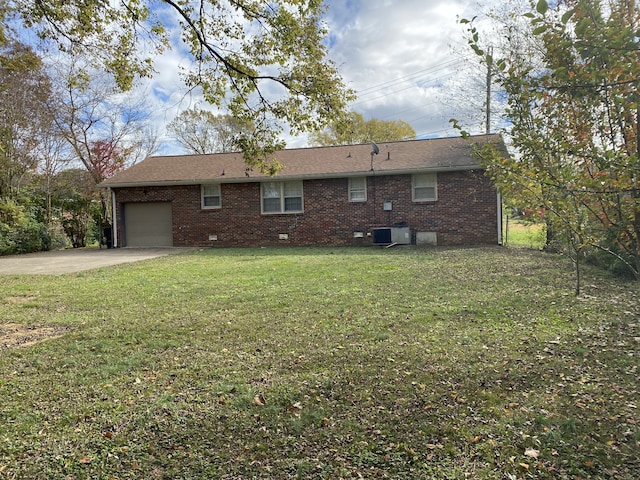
148,224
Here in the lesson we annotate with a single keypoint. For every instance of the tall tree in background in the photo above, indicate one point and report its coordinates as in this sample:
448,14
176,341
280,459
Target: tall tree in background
54,157
24,123
104,131
107,158
202,132
574,108
90,111
74,194
353,129
24,94
263,61
473,96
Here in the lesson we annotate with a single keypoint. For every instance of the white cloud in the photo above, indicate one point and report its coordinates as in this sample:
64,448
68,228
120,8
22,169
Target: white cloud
399,58
403,58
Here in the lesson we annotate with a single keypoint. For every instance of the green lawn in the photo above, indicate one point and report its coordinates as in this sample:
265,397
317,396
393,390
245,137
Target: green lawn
524,234
322,363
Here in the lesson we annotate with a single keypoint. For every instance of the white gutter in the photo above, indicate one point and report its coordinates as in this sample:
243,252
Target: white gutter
114,219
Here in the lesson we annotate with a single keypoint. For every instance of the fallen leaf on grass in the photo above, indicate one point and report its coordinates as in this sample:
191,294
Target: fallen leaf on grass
532,452
85,460
259,400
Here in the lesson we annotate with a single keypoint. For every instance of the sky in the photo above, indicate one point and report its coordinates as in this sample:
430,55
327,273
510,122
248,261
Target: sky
407,60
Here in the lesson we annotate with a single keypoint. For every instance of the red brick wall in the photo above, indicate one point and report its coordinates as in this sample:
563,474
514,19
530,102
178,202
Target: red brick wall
465,212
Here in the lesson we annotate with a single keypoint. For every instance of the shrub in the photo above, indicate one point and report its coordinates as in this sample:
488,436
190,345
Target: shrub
20,231
611,263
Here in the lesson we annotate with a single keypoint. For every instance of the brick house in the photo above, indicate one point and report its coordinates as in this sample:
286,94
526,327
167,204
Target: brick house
424,192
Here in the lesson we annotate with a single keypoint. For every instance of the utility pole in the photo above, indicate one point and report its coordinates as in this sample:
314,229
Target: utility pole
488,100
502,240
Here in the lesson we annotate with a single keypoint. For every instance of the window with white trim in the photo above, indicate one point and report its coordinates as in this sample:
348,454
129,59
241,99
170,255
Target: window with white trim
358,189
424,187
282,197
211,197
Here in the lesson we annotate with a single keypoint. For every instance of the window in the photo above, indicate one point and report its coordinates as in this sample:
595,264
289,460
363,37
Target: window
282,197
424,187
358,189
211,196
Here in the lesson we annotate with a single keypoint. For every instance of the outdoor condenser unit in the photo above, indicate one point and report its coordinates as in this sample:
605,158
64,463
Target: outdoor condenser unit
391,235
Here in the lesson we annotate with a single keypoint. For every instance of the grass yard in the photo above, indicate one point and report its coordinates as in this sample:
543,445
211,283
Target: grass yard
321,363
525,234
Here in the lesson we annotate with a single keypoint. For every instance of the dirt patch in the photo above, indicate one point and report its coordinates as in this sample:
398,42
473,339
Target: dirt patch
14,335
17,299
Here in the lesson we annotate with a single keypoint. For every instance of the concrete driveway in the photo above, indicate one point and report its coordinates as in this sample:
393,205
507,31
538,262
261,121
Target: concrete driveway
77,260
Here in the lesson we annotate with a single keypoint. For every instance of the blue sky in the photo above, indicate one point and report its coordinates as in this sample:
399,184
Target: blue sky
407,60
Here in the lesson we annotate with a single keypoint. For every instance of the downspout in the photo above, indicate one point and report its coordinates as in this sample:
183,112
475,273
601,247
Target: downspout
499,201
114,218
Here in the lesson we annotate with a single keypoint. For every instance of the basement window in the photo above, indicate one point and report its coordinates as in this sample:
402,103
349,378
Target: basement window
282,197
424,187
211,197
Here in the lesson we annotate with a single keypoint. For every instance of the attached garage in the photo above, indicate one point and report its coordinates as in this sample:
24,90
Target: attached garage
148,224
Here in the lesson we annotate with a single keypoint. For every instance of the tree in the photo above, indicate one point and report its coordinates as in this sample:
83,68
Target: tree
104,131
74,198
21,231
574,109
265,61
202,132
24,93
353,129
94,120
107,158
54,156
473,96
24,119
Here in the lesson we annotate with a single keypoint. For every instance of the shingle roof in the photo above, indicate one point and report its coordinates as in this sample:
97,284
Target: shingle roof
317,162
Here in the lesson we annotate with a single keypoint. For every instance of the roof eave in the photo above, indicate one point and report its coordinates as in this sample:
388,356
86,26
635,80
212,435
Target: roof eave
223,179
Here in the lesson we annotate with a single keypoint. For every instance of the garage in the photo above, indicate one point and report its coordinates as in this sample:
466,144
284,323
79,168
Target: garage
148,224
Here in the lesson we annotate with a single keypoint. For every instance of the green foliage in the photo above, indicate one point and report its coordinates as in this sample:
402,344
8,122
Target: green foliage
353,129
24,89
265,61
572,102
20,231
75,199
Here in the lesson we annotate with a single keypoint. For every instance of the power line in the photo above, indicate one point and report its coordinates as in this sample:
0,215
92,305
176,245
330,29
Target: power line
395,114
407,77
415,77
431,83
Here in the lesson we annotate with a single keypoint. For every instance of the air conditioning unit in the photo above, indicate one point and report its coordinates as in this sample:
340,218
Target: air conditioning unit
391,236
